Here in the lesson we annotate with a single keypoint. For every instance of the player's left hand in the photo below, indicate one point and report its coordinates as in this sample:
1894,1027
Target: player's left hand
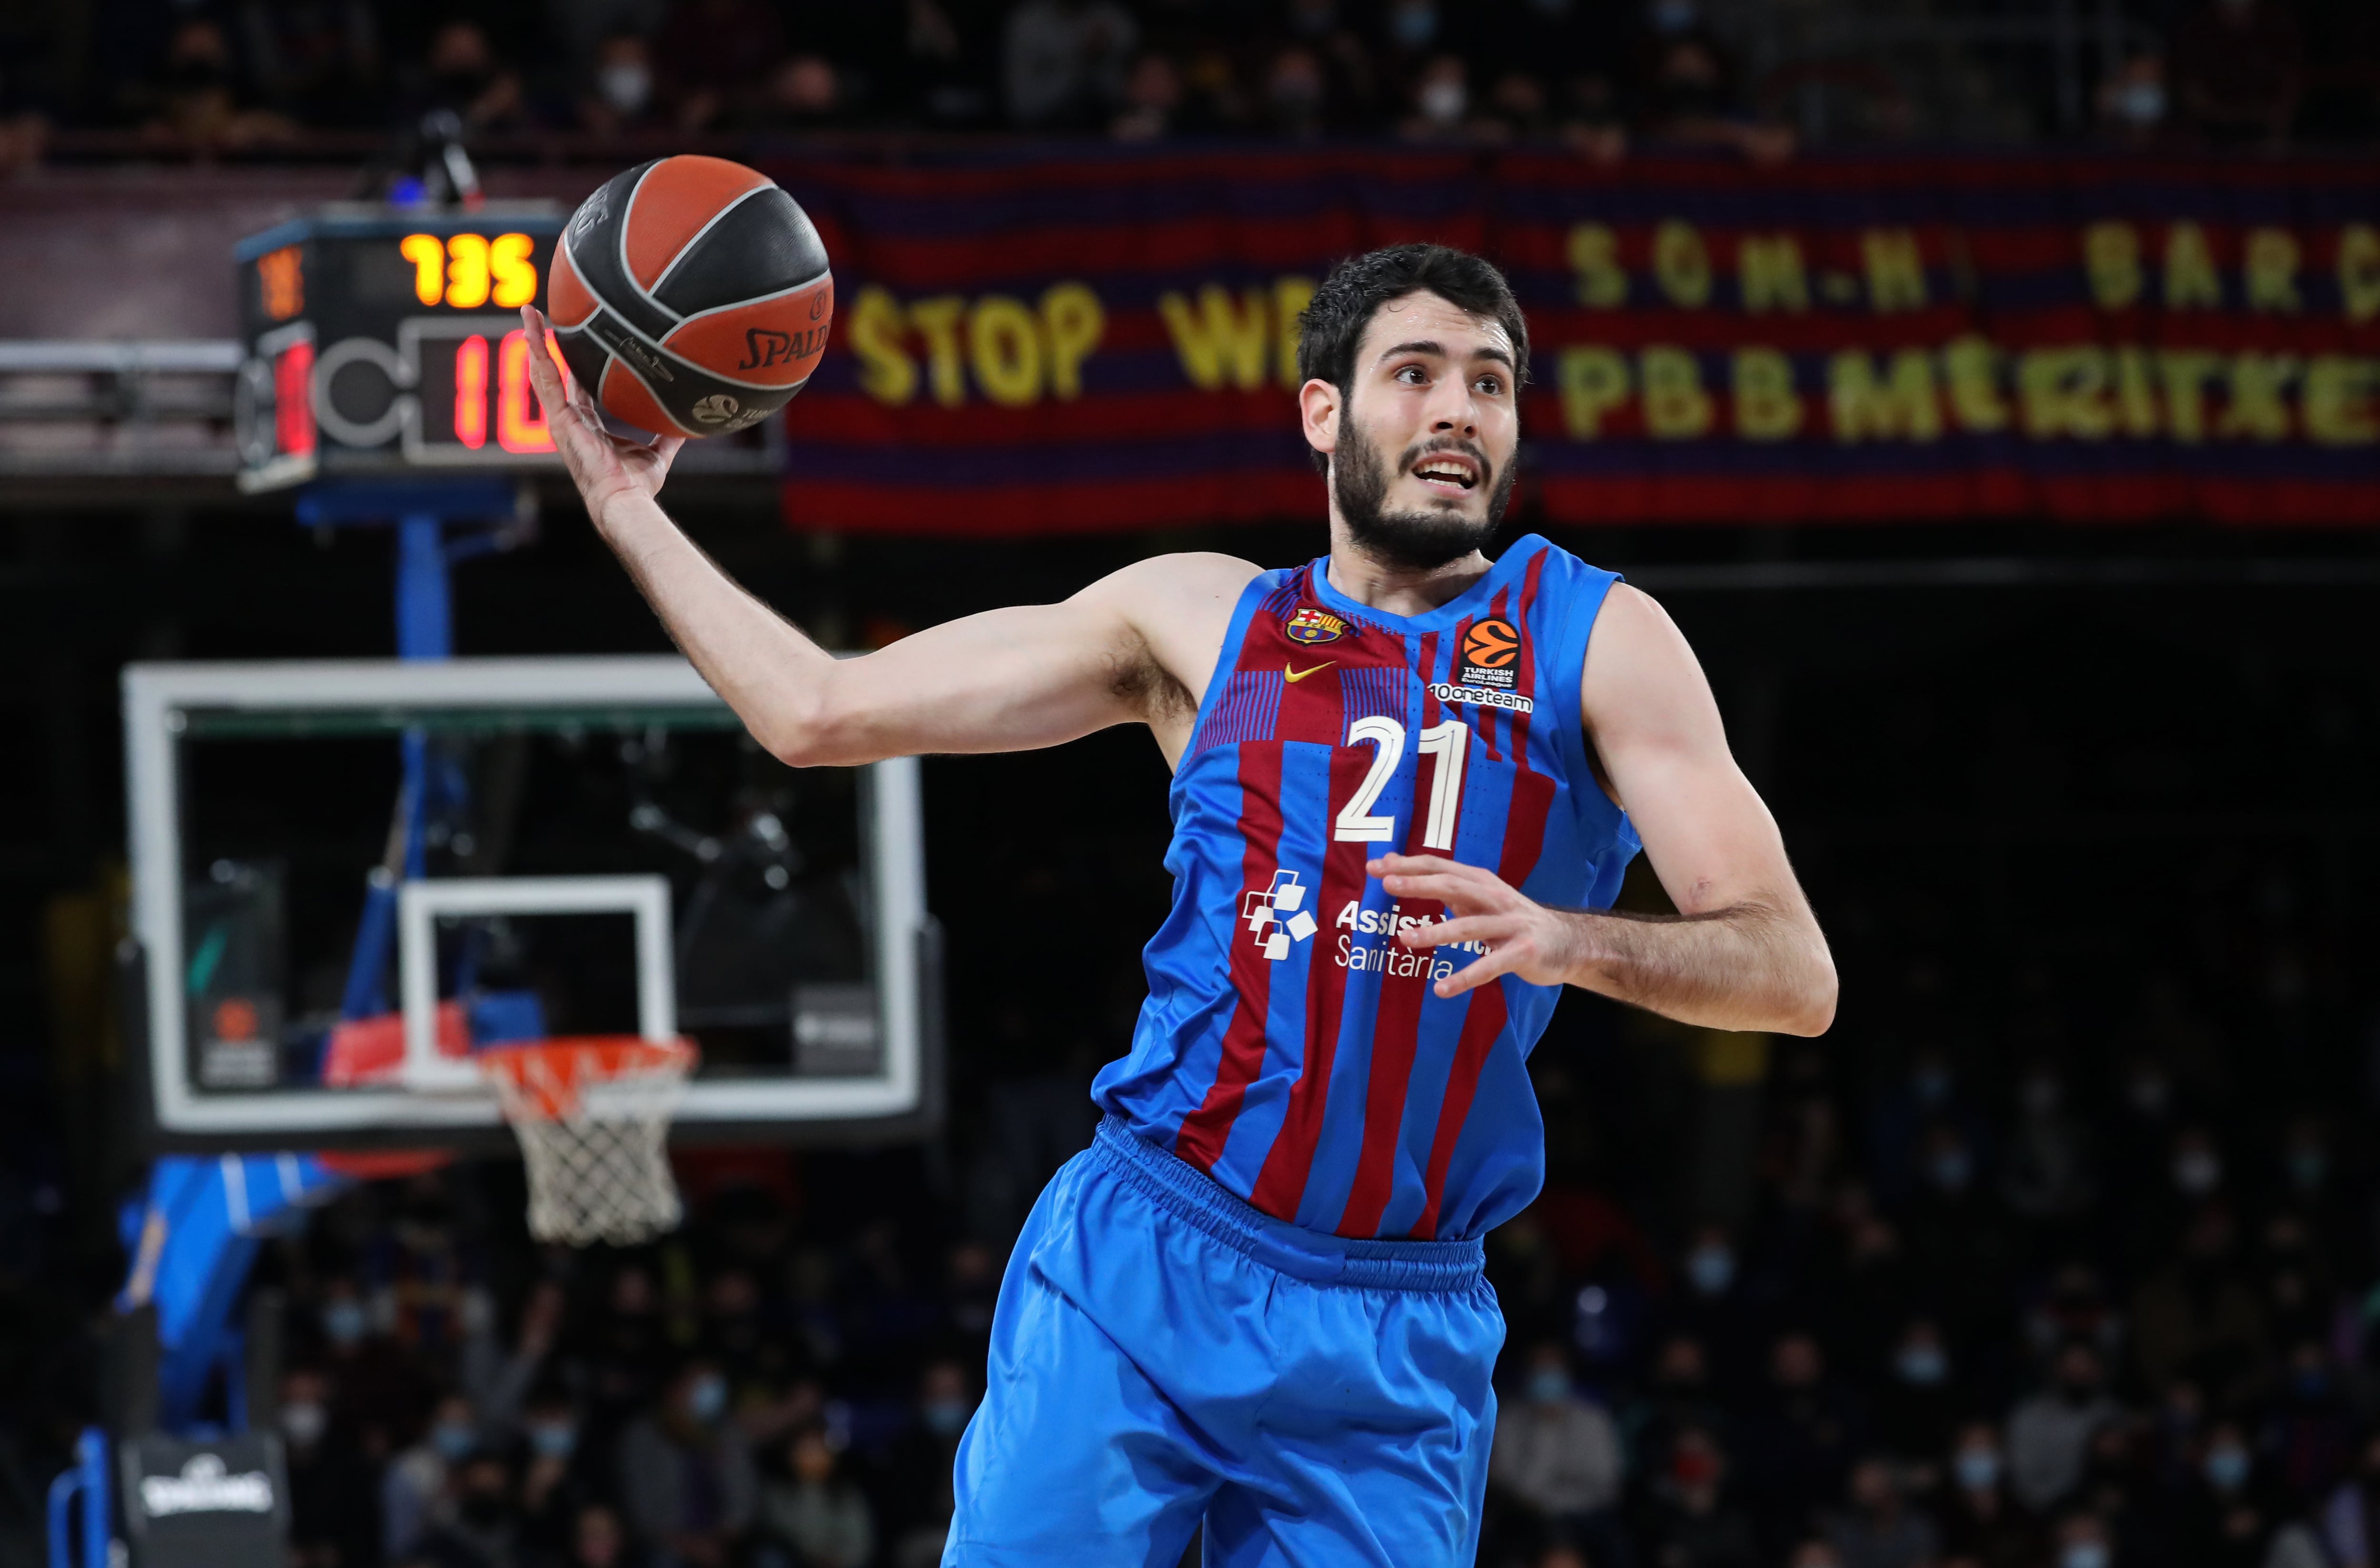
1522,937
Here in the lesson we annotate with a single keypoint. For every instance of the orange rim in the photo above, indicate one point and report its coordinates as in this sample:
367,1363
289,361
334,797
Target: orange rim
544,1077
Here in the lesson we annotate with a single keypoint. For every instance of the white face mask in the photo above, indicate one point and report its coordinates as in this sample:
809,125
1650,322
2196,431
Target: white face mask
1443,101
305,1422
2197,1172
2141,103
626,85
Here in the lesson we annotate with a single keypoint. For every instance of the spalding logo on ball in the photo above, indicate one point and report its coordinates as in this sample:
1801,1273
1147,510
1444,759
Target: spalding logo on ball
692,295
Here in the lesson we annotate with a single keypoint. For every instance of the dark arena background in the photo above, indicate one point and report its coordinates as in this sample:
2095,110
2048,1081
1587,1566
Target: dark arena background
1990,390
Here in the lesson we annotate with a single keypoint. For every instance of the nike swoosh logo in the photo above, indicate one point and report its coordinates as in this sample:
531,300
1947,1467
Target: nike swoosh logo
1295,675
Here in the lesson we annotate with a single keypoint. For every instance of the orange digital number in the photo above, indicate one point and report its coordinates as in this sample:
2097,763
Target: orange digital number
428,254
283,281
467,271
508,258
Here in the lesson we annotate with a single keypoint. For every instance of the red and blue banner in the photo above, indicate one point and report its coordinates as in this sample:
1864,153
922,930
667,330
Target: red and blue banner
1037,343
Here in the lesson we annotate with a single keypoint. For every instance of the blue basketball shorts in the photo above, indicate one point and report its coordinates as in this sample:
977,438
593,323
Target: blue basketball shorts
1163,1354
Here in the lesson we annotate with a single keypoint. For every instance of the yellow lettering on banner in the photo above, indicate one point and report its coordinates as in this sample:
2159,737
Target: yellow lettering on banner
1596,277
2272,271
1594,382
1676,406
2257,410
1004,349
2064,392
886,372
2358,271
2185,372
1901,405
1769,273
2136,406
1222,339
937,320
2190,280
1767,407
2337,401
1682,265
1072,318
1972,365
2112,258
1896,270
1290,297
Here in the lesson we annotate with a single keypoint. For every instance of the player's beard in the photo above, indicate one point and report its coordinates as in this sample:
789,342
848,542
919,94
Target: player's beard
1422,541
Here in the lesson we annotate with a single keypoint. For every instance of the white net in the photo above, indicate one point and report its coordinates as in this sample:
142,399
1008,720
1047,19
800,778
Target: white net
596,1147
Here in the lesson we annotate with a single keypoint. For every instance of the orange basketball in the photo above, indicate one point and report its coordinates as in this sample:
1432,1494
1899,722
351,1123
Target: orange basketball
1491,644
693,295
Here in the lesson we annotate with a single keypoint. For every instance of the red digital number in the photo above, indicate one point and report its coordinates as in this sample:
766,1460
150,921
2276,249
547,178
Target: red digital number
471,392
293,399
520,422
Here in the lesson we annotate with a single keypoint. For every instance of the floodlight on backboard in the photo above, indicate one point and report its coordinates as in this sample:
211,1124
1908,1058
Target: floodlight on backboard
166,706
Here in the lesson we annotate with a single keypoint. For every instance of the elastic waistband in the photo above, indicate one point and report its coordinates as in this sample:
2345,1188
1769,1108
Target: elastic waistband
1295,1251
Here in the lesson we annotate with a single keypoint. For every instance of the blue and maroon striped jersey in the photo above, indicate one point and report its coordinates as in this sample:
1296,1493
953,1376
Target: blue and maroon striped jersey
1289,1047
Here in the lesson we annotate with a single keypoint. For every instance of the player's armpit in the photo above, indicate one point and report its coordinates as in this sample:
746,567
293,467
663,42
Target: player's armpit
1654,723
1135,646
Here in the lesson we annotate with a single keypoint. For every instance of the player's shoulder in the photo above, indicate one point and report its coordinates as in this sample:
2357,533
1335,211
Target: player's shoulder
1187,580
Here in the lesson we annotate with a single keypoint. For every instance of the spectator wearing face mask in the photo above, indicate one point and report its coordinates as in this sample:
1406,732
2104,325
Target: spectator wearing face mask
558,1479
1557,1462
919,1470
1979,1524
382,1393
477,1528
685,1473
2049,1431
815,1517
2082,1541
416,1497
2133,102
2226,1519
622,89
1958,1234
334,1512
1919,1398
1711,1304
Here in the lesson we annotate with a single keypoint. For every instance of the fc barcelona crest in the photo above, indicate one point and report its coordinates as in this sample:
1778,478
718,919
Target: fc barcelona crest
1311,626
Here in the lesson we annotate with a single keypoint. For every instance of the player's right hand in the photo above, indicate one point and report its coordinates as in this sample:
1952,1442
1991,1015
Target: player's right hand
604,466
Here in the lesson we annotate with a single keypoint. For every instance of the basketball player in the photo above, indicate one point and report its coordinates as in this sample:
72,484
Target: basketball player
1407,780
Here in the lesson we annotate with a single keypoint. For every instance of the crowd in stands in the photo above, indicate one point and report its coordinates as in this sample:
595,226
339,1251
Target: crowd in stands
1601,75
2043,1319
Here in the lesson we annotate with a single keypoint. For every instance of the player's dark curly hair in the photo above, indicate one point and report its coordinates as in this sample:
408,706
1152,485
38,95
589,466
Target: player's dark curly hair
1331,327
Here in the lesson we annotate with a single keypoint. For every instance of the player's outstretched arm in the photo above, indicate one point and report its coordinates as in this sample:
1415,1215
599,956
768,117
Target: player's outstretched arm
1134,646
1743,951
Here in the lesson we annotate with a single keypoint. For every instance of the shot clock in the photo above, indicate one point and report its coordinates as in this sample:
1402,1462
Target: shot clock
380,340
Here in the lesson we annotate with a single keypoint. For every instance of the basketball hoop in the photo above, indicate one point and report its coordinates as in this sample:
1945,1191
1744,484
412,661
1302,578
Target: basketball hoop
592,1112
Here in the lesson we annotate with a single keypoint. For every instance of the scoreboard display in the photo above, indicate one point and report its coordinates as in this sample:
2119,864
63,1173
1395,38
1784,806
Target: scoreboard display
381,340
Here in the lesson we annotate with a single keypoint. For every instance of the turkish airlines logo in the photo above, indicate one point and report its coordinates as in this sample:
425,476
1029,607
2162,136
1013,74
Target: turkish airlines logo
1276,915
1491,654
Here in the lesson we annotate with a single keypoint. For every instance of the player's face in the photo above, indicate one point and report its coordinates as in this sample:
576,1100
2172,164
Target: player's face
1422,467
